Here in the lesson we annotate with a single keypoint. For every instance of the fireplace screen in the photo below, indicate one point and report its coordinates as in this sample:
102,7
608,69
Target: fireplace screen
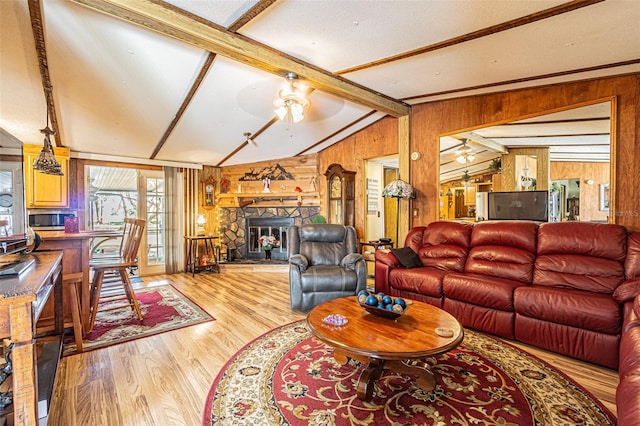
258,227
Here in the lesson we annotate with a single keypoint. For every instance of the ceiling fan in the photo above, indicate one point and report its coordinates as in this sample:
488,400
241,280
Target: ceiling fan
248,138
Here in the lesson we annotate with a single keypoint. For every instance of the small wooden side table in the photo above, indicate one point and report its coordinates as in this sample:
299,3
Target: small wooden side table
370,256
192,258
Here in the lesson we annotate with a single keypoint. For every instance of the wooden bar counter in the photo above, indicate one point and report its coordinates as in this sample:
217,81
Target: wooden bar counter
77,253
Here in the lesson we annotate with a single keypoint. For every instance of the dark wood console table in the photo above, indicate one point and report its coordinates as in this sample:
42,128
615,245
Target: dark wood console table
22,299
193,262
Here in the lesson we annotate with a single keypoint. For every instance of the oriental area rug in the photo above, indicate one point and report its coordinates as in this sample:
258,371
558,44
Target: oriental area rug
164,308
288,377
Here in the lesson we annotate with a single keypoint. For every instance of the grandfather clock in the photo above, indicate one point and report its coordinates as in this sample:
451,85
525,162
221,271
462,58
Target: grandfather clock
341,193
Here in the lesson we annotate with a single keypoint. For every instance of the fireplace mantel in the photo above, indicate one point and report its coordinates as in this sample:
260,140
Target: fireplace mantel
268,199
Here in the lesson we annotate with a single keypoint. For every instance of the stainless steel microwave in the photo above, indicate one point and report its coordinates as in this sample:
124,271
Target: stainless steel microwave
49,220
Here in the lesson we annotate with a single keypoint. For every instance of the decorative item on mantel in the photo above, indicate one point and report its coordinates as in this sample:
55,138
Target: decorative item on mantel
224,185
398,189
267,242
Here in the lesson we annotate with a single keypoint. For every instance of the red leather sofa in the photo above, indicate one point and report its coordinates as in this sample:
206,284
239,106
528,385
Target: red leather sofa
566,287
628,390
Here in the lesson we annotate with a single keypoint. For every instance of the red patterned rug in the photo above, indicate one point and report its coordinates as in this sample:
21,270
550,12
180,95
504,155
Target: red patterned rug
164,308
287,377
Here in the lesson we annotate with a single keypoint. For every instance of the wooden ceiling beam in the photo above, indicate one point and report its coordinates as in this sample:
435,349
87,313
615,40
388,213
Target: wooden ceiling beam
185,103
176,23
35,13
250,14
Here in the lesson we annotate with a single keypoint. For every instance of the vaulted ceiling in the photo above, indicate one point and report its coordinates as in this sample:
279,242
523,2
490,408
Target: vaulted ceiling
183,81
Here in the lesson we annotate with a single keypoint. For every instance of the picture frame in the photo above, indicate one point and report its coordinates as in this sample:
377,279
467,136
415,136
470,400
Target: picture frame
604,196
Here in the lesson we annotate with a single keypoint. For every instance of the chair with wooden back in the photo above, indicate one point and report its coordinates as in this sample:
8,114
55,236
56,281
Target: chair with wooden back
134,231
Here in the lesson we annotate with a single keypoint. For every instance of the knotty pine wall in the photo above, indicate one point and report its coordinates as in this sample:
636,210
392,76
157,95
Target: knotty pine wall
303,168
431,120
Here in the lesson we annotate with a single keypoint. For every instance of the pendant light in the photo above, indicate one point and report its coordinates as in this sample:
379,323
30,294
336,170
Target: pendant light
46,162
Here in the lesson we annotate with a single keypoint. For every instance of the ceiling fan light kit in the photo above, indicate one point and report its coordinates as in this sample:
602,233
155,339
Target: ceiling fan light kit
464,154
291,100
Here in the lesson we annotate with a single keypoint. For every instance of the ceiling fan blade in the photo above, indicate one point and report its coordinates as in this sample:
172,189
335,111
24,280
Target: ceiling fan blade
248,138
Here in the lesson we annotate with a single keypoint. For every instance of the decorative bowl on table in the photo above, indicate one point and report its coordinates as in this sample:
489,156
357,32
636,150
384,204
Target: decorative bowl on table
383,305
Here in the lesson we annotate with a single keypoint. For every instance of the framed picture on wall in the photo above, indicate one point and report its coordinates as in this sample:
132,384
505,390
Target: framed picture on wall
604,196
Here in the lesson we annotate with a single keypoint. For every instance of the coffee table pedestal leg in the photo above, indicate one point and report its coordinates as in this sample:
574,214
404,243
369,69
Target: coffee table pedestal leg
415,367
368,377
426,378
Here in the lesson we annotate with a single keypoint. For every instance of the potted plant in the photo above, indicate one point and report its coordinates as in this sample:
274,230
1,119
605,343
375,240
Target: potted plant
496,165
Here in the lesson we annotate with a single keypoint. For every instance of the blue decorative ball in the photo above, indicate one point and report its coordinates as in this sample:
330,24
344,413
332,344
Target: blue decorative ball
387,300
363,293
371,301
400,301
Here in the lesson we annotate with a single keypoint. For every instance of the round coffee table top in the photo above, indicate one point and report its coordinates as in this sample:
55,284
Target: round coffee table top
413,335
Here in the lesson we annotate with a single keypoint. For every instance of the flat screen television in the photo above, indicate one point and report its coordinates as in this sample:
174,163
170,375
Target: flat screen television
519,205
13,230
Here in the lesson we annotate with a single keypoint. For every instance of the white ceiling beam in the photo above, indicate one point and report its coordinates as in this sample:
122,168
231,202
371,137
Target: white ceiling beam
172,22
484,142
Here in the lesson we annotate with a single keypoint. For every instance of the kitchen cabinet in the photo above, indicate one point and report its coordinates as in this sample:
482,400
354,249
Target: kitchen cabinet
484,187
496,182
470,195
44,190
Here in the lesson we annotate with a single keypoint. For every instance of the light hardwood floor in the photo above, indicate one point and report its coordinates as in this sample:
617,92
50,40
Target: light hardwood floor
164,379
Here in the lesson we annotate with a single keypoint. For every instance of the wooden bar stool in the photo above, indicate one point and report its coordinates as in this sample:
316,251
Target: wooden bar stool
71,283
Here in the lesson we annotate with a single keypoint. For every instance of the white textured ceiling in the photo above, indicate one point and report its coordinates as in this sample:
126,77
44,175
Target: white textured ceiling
117,86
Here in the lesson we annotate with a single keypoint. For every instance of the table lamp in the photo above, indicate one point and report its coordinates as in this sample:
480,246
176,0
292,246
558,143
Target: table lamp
201,221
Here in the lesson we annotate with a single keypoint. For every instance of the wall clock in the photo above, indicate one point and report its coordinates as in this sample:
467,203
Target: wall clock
209,188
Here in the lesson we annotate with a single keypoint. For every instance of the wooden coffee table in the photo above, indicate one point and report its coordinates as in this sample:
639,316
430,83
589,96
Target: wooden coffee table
380,342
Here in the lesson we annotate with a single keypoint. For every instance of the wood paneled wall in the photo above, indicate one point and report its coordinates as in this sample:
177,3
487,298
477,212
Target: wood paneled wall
377,140
589,193
431,120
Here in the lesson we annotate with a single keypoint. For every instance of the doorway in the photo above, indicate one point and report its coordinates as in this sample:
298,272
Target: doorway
116,193
380,219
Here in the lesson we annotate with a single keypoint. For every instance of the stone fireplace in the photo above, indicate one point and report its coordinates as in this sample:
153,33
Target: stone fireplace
240,229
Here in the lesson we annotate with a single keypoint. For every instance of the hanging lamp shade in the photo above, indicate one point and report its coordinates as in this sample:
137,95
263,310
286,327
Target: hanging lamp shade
398,189
46,161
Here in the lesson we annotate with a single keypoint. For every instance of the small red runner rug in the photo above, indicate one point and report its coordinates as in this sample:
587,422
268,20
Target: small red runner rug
164,308
287,377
